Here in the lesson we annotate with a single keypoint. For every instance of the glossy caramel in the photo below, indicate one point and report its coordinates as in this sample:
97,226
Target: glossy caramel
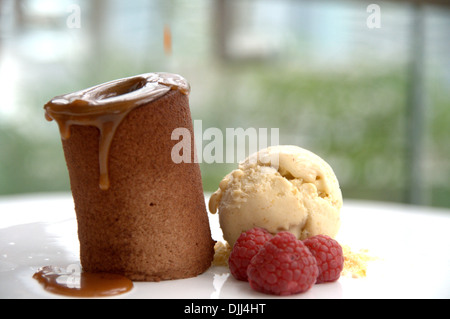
105,106
84,284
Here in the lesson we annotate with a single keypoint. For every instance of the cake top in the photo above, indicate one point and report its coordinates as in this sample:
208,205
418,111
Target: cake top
106,105
113,97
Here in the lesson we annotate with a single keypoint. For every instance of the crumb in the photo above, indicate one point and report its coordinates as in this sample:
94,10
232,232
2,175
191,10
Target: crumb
222,253
356,263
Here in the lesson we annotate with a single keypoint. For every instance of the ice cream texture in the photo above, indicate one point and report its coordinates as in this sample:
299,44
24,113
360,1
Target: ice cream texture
280,188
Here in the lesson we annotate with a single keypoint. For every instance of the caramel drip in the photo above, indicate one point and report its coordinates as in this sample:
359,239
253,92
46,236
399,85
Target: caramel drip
105,106
167,40
84,284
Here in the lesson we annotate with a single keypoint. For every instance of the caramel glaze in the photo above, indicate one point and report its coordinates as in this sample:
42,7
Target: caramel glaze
106,105
84,284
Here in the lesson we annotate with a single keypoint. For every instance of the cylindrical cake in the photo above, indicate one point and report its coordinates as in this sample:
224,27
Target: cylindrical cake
139,213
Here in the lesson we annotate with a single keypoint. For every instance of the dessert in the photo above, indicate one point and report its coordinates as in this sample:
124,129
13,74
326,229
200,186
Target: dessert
139,214
222,251
280,188
329,257
283,266
356,263
246,247
84,284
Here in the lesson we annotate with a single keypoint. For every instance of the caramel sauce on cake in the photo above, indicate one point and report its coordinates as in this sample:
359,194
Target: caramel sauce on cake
84,284
132,201
105,106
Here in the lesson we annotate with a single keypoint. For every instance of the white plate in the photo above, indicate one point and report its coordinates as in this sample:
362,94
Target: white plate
413,245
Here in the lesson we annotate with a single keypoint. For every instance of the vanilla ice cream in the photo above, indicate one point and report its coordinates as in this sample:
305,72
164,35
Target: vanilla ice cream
280,188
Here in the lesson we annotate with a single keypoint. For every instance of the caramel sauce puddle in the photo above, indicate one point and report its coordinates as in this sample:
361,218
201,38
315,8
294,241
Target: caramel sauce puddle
59,281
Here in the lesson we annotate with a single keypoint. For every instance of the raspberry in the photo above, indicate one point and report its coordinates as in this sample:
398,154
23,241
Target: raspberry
283,266
329,257
246,246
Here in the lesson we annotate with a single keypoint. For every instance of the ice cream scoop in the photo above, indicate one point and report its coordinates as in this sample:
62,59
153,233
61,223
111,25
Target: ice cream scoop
280,188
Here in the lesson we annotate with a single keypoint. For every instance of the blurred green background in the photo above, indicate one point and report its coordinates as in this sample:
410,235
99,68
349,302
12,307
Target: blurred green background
373,102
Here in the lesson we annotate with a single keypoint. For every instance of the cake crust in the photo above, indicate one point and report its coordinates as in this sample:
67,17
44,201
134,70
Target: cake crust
151,224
